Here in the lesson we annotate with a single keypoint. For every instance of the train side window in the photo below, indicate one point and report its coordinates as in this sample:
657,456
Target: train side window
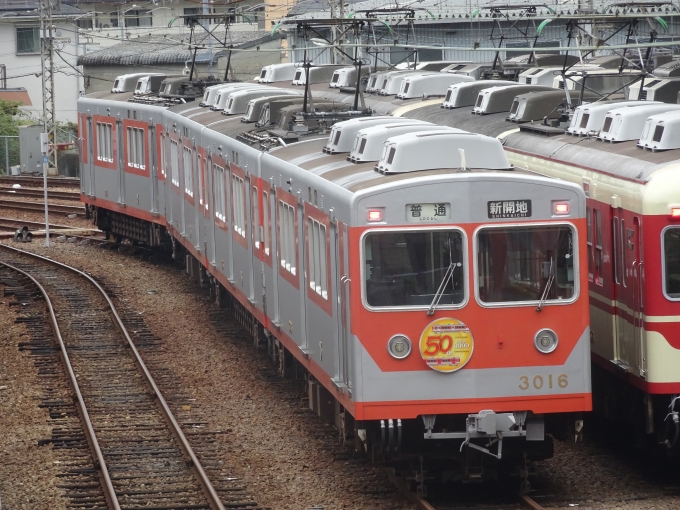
318,263
671,263
201,189
589,221
287,237
203,171
135,148
239,206
256,218
104,141
188,171
163,156
624,241
174,162
616,240
220,196
411,268
267,223
598,247
519,264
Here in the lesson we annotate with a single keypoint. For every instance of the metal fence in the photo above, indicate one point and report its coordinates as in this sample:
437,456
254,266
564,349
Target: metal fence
9,153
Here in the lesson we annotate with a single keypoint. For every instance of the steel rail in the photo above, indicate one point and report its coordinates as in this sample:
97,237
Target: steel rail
40,207
103,472
16,223
529,503
208,489
34,192
60,182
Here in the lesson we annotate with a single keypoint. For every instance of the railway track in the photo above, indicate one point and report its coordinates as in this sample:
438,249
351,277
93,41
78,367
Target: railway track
128,451
518,500
52,182
38,193
40,207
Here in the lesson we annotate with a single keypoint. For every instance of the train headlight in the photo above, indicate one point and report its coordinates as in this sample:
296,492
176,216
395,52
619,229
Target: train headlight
399,346
545,341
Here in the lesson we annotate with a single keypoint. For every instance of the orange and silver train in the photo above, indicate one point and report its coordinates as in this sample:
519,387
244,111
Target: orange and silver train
434,295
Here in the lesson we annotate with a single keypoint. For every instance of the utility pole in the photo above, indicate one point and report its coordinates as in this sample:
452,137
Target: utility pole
47,61
49,150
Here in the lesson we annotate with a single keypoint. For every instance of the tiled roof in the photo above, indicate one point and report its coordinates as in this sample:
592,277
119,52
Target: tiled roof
172,49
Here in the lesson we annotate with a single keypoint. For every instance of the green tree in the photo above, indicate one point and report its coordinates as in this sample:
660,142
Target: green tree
9,126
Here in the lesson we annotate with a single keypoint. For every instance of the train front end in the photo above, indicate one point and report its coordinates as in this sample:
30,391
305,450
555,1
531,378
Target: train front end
470,322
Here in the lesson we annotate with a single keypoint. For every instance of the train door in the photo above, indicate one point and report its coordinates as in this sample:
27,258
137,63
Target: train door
639,285
627,296
121,163
304,333
342,282
90,160
270,301
318,247
257,287
212,208
153,161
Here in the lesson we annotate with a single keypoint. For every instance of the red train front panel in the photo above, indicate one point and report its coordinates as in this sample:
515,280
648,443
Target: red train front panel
453,317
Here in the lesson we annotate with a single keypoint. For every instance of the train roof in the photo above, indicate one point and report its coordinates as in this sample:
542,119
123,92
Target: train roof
358,177
623,159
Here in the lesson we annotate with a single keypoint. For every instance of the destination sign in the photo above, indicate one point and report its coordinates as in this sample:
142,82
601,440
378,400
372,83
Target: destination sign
501,209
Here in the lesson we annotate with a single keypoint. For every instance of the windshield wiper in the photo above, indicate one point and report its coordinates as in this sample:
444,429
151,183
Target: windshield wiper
548,284
447,276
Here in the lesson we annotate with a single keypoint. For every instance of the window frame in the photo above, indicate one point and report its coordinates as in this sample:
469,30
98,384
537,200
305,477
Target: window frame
291,201
239,204
598,246
105,162
188,153
266,213
174,161
315,215
136,131
663,262
416,308
518,304
35,29
220,218
161,137
202,162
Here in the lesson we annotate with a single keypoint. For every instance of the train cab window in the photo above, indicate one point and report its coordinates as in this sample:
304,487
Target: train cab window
220,195
671,263
520,264
407,268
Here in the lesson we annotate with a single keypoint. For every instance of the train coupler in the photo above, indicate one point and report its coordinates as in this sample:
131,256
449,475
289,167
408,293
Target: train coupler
492,427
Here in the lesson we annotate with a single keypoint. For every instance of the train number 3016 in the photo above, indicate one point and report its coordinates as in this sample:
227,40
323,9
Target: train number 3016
538,381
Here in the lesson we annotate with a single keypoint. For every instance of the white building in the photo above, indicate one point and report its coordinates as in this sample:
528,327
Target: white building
20,41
